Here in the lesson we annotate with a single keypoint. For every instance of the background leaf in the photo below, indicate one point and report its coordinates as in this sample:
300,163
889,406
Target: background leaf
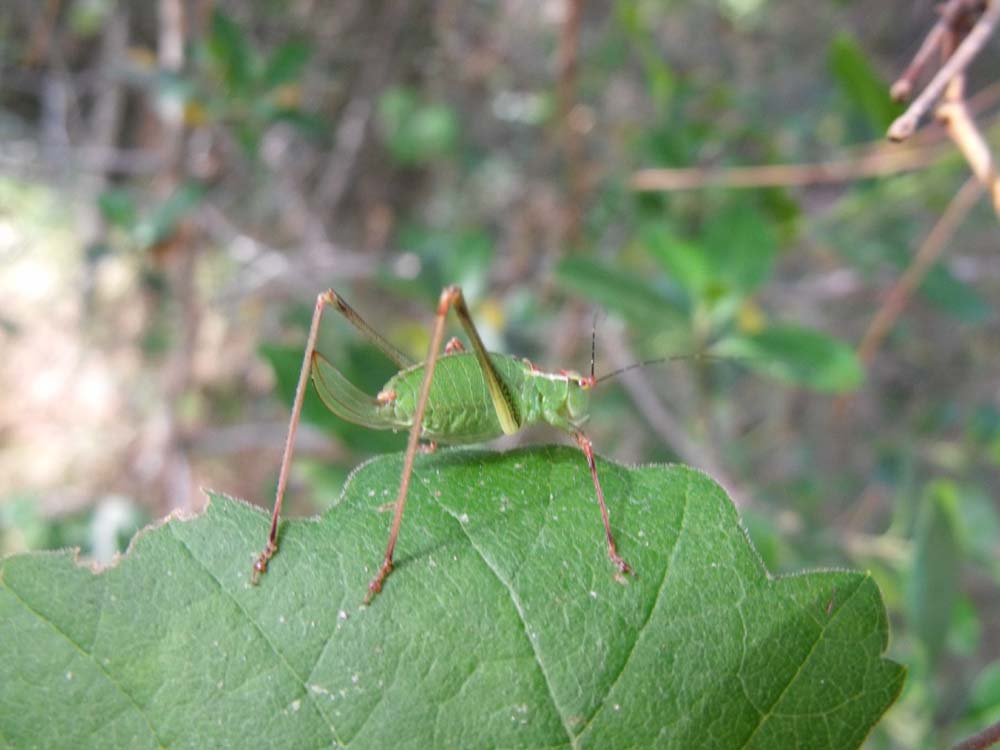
863,88
503,625
934,575
797,355
285,64
741,246
230,52
625,293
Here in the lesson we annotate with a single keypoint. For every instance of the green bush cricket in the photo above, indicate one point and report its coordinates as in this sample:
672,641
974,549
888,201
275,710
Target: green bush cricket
474,397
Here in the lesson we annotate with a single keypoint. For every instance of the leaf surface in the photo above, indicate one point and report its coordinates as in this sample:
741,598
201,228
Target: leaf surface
503,625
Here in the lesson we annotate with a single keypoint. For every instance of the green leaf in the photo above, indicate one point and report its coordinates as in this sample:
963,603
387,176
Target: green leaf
684,262
230,52
641,302
286,64
860,84
797,355
984,696
118,207
311,126
741,246
933,581
954,296
163,218
503,625
416,132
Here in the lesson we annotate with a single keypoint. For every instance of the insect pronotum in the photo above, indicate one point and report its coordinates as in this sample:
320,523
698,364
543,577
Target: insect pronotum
507,393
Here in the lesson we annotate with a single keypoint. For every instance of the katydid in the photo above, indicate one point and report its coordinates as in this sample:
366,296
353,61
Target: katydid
456,398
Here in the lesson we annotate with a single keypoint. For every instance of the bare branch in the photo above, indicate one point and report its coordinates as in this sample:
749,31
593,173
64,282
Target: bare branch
952,14
905,125
970,141
870,162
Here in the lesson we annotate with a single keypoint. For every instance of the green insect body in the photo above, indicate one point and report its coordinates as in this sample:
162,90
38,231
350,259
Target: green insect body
459,407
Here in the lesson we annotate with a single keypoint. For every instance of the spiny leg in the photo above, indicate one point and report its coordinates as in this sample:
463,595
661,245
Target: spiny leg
450,297
332,299
588,450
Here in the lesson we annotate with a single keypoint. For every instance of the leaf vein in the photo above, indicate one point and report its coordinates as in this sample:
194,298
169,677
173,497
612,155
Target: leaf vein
107,675
519,609
765,715
260,631
649,614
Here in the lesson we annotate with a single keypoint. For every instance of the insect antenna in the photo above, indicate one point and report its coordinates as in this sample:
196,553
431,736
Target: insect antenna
593,347
657,361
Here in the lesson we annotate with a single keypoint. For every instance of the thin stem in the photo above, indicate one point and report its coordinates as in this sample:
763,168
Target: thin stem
872,162
928,253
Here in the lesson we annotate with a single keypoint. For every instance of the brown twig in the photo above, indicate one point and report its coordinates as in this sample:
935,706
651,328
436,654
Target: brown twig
569,130
932,247
905,125
982,740
952,15
869,162
954,113
903,86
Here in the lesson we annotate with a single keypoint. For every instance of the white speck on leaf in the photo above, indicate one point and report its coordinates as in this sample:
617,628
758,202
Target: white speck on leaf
342,615
295,705
464,518
69,675
593,594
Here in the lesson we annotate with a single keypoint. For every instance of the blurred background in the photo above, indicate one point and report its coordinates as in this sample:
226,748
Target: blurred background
179,179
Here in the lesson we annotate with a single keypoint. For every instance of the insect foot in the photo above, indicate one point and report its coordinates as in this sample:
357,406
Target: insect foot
376,585
260,566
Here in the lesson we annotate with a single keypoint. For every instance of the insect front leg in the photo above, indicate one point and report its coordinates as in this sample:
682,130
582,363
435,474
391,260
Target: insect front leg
588,450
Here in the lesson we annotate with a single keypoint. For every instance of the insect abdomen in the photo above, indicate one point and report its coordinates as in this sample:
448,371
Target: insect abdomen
459,409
